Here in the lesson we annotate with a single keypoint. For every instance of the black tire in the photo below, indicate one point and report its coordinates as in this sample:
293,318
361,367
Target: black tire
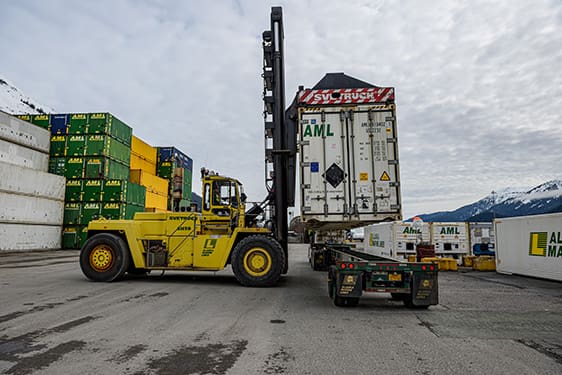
104,257
331,283
396,296
345,301
258,261
407,298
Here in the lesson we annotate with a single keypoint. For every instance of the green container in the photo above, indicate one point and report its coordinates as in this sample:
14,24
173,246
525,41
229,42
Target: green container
58,146
42,121
104,168
165,170
72,213
90,211
76,145
78,123
106,123
24,117
118,211
104,145
123,191
74,168
92,191
73,237
57,166
73,191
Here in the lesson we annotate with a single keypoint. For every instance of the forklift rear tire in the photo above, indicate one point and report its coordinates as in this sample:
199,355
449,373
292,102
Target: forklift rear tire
104,257
258,261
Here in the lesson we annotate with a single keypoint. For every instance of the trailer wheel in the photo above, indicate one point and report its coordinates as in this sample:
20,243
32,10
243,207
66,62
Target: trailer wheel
407,299
258,261
345,301
331,282
396,296
104,257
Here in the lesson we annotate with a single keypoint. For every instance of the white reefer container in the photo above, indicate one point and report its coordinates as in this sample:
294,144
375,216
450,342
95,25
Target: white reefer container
450,239
349,171
27,209
13,153
18,237
482,233
396,240
530,246
25,181
14,130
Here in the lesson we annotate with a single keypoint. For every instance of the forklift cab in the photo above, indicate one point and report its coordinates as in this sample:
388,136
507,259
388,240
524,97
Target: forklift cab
223,202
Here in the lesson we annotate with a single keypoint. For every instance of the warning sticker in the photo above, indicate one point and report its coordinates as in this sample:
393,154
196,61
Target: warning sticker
363,176
385,176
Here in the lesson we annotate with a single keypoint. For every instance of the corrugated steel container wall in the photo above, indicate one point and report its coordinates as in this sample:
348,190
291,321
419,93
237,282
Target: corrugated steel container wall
20,180
104,145
73,167
530,246
59,124
103,167
77,123
172,154
12,153
142,164
73,237
143,150
25,209
57,166
106,123
76,145
450,238
118,211
18,237
123,191
156,201
153,184
43,121
14,130
92,190
73,191
58,146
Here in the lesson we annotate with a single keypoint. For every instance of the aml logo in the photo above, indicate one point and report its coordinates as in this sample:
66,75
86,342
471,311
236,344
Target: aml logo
537,244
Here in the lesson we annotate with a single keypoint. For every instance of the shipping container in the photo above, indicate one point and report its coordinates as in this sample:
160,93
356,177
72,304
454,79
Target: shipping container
58,146
12,153
349,170
14,130
144,151
77,123
24,117
103,145
92,190
89,211
43,121
73,191
26,181
59,124
76,145
179,180
395,239
530,246
26,209
450,239
72,213
103,167
73,168
142,164
178,158
481,237
156,201
153,184
73,237
118,211
106,123
19,237
123,191
57,166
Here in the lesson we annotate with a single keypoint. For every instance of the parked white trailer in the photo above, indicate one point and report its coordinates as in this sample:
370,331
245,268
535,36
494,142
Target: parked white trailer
396,239
482,234
349,157
530,246
450,239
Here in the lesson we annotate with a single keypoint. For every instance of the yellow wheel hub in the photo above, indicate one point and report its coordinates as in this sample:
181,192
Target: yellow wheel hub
257,262
101,258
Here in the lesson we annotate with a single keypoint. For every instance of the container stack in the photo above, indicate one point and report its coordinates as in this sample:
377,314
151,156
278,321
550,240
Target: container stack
31,200
177,168
93,152
144,159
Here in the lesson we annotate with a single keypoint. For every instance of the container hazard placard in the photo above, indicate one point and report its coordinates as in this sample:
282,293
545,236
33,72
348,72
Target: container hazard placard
385,176
363,176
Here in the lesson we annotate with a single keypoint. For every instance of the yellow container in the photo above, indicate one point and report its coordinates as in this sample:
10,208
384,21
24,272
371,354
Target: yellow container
156,202
467,260
142,164
411,258
153,184
484,263
451,264
143,150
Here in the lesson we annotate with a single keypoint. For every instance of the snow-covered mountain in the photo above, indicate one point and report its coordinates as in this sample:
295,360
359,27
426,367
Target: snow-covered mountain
542,199
14,101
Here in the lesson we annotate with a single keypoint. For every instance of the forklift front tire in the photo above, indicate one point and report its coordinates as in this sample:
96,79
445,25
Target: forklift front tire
104,257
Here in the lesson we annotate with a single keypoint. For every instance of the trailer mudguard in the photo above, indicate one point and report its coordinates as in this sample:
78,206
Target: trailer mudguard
425,289
349,284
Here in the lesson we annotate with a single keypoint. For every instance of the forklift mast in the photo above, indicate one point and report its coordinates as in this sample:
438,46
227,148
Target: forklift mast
280,134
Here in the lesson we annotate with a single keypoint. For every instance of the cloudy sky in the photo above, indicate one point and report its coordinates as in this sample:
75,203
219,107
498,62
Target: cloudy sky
478,83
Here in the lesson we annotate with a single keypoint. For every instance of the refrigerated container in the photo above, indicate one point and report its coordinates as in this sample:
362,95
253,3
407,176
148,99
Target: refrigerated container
395,239
450,239
482,238
14,130
16,154
19,237
29,182
530,246
349,169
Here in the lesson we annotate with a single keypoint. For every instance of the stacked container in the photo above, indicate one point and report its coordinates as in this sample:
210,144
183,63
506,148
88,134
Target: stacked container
143,172
177,168
31,200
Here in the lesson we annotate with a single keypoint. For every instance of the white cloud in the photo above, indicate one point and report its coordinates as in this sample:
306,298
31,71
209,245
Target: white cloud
478,83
